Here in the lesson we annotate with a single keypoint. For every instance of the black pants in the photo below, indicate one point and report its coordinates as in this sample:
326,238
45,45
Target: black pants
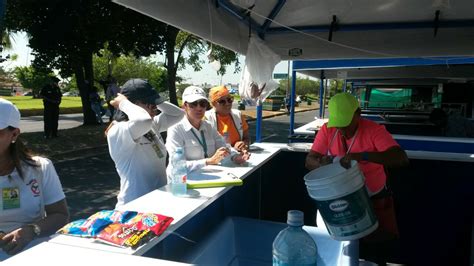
51,117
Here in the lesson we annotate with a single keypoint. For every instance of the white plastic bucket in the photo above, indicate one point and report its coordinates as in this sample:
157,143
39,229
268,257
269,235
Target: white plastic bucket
342,200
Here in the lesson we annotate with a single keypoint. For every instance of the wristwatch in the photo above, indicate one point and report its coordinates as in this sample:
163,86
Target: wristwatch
36,229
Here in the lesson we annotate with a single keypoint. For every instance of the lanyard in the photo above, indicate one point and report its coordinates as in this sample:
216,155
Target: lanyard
201,142
153,138
343,141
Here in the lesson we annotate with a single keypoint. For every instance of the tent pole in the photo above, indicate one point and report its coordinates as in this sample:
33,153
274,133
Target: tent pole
321,94
292,102
258,137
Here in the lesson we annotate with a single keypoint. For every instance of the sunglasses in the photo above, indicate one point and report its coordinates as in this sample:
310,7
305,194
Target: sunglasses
224,101
201,103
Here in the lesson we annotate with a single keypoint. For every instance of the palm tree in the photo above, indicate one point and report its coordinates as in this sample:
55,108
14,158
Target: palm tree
6,44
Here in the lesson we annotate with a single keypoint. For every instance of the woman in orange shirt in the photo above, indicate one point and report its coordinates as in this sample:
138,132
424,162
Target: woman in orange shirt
227,120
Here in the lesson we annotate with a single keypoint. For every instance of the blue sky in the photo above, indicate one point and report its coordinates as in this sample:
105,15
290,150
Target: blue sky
206,75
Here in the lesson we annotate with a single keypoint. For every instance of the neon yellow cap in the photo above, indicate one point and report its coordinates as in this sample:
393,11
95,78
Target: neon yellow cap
341,109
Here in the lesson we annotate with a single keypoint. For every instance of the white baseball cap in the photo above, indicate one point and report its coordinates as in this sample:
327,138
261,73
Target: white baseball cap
9,115
193,93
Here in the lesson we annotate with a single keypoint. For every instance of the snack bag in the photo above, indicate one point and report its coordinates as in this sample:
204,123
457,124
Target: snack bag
75,228
157,223
113,216
91,226
125,235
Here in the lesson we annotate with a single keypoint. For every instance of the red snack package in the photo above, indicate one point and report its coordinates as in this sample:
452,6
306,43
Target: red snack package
125,235
157,223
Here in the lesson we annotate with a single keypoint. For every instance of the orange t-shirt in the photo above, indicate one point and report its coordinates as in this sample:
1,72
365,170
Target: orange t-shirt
226,123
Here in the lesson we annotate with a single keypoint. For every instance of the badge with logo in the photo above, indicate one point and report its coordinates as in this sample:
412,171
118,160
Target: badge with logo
11,198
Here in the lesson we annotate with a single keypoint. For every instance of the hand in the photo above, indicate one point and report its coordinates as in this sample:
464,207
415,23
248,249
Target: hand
240,146
17,240
346,160
117,100
241,158
220,154
325,160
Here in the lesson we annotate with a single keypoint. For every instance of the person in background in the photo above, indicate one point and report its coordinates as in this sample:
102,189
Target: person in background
225,119
51,94
134,139
33,201
96,104
348,136
111,93
201,143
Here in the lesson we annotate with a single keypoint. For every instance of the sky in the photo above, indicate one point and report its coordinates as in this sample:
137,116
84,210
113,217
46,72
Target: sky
206,75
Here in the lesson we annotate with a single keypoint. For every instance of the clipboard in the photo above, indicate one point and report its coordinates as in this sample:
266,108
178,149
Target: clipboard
208,178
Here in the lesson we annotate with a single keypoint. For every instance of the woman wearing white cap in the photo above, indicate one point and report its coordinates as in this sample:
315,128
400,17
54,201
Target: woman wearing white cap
202,144
134,138
33,205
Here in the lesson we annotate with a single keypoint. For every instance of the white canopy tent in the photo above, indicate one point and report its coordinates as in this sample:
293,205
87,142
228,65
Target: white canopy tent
325,29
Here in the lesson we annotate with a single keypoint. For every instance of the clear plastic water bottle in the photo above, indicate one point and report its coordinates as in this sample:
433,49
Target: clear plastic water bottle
293,245
179,173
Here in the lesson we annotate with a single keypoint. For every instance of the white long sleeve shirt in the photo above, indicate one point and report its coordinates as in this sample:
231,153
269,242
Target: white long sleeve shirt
181,135
140,161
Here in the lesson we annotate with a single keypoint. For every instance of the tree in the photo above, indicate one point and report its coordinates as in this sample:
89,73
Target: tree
32,78
303,86
64,35
126,67
177,42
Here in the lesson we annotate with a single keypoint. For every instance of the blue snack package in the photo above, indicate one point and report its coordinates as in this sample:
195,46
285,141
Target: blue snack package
93,225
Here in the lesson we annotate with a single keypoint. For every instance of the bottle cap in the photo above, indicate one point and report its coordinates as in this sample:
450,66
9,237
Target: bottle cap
295,218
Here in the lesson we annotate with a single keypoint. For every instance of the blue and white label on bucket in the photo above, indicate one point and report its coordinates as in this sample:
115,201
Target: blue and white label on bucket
278,262
349,215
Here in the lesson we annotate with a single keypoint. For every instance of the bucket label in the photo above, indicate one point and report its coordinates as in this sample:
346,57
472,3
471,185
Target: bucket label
348,215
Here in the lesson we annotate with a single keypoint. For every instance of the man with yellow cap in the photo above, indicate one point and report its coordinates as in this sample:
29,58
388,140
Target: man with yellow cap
227,120
347,136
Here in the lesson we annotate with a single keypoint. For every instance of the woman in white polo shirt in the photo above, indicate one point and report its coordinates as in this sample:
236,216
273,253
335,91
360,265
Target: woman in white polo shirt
201,143
32,202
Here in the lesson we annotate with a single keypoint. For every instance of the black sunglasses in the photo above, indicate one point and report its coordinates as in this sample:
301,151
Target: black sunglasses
224,101
202,103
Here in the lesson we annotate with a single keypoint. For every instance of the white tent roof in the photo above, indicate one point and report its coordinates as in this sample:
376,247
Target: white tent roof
364,28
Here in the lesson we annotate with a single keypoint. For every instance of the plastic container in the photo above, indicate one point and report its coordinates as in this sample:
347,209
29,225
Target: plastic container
293,245
179,173
342,200
225,135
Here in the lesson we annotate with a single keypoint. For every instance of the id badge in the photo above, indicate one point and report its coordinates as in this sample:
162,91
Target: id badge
11,198
158,151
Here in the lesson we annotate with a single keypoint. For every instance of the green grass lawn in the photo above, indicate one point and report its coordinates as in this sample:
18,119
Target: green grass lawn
28,103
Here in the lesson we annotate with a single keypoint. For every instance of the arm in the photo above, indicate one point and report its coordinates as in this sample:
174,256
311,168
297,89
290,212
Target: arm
221,148
316,156
242,145
387,151
17,240
315,160
393,157
139,121
175,139
170,115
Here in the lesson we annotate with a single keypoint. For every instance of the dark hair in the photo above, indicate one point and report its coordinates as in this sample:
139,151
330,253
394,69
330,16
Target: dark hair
21,154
